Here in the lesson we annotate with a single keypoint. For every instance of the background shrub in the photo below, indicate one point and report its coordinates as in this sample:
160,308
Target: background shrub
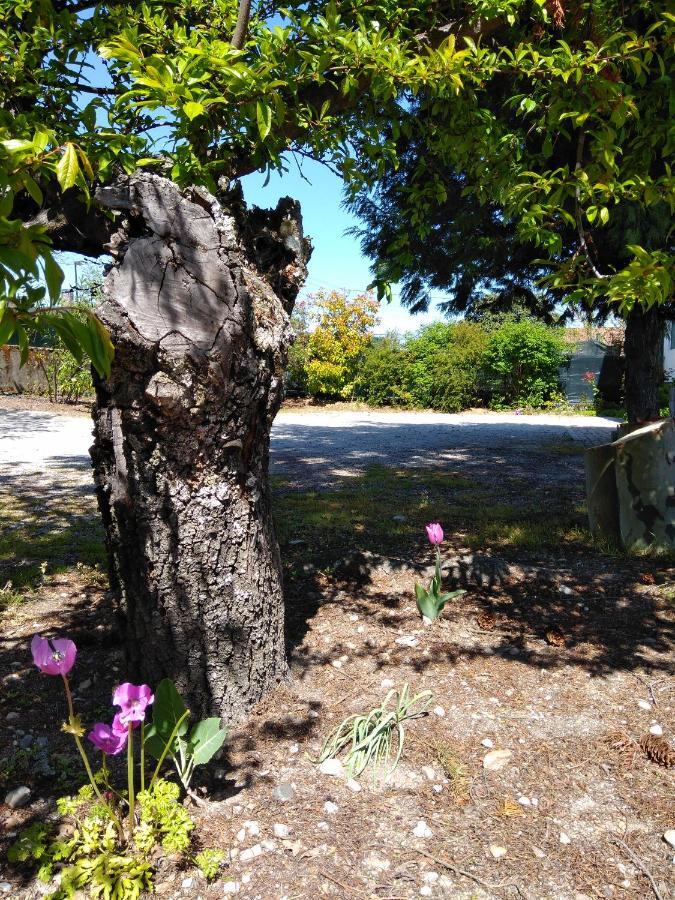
521,363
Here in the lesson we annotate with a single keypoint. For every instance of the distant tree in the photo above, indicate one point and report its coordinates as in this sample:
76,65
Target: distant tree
343,331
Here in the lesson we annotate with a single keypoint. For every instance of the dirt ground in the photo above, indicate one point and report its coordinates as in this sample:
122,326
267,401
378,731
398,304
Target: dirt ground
561,652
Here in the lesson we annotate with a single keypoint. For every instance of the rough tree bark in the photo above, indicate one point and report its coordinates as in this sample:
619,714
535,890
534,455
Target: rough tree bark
197,303
643,349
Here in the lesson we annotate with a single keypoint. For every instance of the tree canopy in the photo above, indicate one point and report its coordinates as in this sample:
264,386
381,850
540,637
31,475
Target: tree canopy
204,94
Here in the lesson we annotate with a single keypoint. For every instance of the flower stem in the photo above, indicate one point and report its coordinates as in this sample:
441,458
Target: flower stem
142,756
167,746
130,777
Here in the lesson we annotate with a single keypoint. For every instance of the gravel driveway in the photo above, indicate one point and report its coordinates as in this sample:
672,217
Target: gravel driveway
312,448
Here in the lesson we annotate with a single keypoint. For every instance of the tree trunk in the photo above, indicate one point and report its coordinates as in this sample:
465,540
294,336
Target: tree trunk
643,348
197,303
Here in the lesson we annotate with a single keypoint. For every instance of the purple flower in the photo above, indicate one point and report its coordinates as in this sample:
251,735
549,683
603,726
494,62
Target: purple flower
53,657
133,700
110,739
435,533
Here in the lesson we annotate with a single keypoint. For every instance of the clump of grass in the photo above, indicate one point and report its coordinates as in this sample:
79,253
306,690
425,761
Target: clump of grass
373,738
11,597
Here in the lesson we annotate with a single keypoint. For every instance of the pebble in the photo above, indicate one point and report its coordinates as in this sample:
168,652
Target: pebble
430,877
269,845
437,788
496,851
252,828
231,887
407,641
669,837
293,749
330,808
322,826
486,742
18,797
524,801
187,883
5,887
538,852
565,838
283,792
399,518
281,831
422,830
375,863
386,684
643,704
567,591
439,711
251,853
12,717
245,878
656,730
425,891
496,760
429,772
353,785
331,767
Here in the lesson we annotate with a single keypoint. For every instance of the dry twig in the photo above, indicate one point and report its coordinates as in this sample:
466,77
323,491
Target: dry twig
639,864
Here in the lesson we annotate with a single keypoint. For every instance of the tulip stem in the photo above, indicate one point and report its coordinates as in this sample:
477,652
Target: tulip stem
130,777
142,756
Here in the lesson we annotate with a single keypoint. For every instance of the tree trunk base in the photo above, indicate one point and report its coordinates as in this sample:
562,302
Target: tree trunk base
198,302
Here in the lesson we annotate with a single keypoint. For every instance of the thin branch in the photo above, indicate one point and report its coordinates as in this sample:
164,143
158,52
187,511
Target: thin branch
577,209
241,28
640,865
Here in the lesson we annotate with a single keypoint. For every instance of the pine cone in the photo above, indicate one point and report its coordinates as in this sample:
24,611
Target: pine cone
658,750
486,620
556,637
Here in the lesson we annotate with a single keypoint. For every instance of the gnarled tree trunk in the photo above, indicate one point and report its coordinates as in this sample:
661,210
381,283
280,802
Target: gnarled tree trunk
197,303
643,348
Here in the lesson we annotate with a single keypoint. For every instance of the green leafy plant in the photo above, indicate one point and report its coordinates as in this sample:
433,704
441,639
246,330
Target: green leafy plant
430,602
209,862
373,738
168,735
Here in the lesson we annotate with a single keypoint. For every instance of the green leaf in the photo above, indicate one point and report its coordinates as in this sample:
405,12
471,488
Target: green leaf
7,323
53,277
168,709
154,744
68,167
206,740
193,109
264,117
425,603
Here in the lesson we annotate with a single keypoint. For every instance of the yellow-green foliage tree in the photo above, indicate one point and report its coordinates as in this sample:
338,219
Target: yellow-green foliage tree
342,334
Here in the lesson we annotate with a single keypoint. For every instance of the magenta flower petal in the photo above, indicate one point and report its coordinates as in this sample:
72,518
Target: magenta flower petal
435,533
133,700
56,657
106,739
120,727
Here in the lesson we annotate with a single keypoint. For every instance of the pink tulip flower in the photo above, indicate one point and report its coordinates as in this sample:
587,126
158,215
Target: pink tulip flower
435,533
133,700
53,657
109,739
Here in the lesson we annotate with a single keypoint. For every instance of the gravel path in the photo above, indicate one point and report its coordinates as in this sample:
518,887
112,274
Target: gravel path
311,448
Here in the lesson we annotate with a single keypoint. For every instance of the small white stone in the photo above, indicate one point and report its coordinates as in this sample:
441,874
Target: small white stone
643,704
360,629
427,621
281,831
656,730
496,760
231,887
353,785
422,830
353,617
407,641
524,801
386,684
251,853
430,877
486,742
565,838
330,808
669,837
538,852
245,878
241,835
439,711
336,664
496,851
322,826
252,828
269,845
429,773
535,801
293,749
437,789
331,767
187,883
425,891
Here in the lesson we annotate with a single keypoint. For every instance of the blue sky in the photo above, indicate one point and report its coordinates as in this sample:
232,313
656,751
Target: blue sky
337,261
